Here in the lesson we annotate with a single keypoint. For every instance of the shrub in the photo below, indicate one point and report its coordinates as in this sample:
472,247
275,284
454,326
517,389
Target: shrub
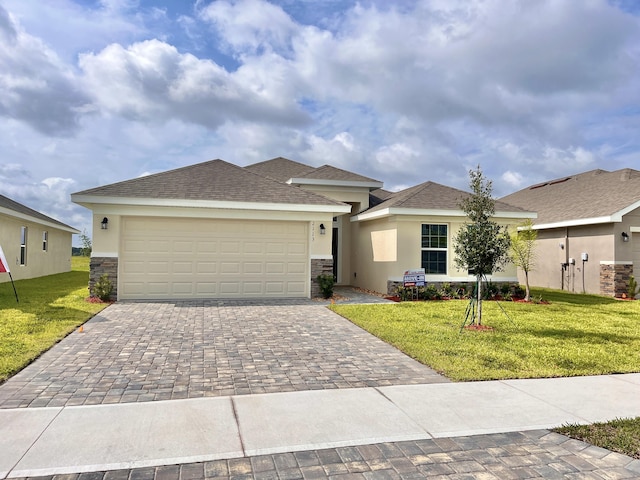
448,291
431,293
326,283
103,288
632,290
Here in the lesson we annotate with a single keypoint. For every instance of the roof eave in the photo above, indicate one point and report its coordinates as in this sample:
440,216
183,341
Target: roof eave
30,218
373,185
88,200
425,212
576,223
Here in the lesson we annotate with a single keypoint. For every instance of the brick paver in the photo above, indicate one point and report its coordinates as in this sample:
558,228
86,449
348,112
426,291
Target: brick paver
138,352
534,454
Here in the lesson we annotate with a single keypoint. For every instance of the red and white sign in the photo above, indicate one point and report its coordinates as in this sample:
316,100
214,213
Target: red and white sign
4,265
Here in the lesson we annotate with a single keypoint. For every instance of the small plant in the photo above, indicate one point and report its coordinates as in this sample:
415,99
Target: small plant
632,289
447,291
103,288
326,283
518,292
431,293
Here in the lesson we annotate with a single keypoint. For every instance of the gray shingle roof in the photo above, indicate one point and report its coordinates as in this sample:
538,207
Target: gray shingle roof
434,196
215,180
328,172
593,194
280,168
7,203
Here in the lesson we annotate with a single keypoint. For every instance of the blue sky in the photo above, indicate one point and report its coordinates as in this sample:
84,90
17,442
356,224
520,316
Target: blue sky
94,92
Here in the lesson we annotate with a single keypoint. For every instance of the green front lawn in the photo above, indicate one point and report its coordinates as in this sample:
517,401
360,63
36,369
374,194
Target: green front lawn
573,335
49,308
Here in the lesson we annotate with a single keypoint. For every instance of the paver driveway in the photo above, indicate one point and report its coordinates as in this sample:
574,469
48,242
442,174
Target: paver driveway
133,352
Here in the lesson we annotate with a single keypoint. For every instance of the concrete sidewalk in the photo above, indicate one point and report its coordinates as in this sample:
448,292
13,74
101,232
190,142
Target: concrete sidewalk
73,439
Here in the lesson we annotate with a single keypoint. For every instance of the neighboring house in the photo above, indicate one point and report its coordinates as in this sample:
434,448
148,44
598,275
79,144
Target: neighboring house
588,231
34,244
216,230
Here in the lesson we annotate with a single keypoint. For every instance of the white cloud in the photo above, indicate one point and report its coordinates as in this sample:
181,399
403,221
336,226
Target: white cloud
151,81
35,86
513,179
249,26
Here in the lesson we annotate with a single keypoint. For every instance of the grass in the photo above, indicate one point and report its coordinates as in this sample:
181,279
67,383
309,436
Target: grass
622,435
574,335
49,308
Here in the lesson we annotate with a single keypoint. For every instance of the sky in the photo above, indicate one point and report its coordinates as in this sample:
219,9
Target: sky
93,92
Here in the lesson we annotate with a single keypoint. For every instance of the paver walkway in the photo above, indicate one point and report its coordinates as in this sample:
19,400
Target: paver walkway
518,455
138,352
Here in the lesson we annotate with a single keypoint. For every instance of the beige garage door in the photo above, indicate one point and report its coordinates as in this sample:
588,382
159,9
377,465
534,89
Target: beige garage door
173,258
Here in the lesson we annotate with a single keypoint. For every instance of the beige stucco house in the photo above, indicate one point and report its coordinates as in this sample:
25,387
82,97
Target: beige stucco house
588,230
34,244
216,230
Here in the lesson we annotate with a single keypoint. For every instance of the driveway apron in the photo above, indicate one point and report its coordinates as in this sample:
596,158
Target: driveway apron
139,352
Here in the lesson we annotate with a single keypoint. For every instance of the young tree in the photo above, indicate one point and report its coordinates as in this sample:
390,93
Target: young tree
86,244
523,254
481,245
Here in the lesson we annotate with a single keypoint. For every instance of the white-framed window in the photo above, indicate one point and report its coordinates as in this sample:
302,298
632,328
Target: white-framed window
23,245
434,246
45,241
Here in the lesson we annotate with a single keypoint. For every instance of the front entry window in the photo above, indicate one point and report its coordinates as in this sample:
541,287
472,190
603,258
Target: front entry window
434,249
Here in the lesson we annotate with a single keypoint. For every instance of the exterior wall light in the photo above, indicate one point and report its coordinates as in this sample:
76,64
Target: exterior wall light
625,237
323,230
105,223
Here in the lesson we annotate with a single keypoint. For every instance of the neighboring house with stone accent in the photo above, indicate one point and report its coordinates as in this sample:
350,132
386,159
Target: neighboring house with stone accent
216,230
588,230
34,244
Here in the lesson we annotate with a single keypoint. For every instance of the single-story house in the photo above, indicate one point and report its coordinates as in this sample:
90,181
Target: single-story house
588,230
34,244
217,230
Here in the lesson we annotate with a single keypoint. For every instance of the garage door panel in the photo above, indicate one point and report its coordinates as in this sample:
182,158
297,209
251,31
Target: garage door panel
181,288
296,268
252,268
276,248
208,246
131,267
206,289
182,267
207,268
201,258
183,247
296,288
275,288
230,268
296,249
158,288
229,288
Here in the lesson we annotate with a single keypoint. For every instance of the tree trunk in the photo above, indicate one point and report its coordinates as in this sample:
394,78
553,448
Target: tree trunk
479,321
527,295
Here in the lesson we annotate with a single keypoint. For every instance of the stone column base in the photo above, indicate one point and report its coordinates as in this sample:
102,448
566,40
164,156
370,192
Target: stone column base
99,266
319,266
614,279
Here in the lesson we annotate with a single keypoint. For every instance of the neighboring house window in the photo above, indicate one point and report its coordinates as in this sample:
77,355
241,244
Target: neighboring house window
45,241
434,249
23,246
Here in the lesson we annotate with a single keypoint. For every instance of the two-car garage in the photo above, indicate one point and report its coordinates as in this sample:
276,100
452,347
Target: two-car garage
176,258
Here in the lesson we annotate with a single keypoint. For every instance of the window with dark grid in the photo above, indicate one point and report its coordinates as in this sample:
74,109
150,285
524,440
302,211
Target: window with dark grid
434,249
